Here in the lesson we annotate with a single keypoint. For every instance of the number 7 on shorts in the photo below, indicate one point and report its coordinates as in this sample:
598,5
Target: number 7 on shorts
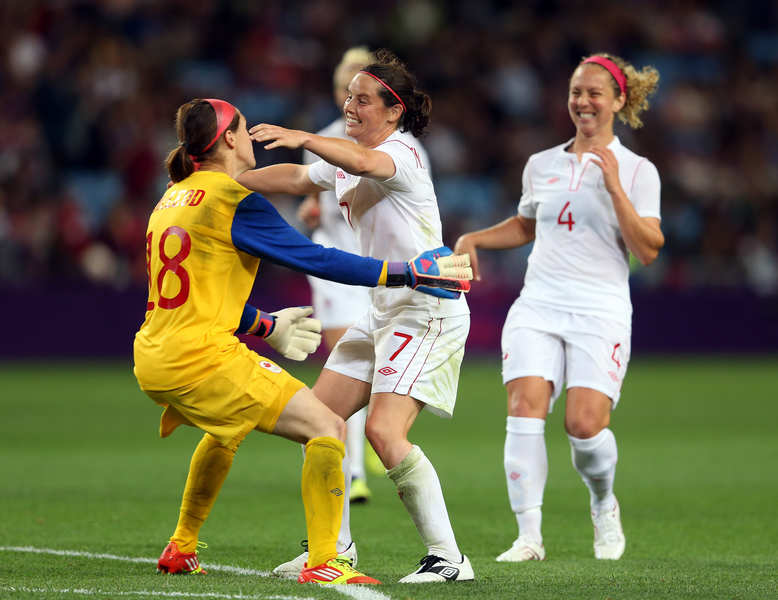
407,339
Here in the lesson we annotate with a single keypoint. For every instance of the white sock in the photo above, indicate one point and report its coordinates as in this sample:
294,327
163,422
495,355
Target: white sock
419,489
355,443
595,460
344,535
526,471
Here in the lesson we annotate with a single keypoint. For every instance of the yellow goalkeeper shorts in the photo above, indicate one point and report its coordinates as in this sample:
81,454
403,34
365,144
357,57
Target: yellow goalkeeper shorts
247,392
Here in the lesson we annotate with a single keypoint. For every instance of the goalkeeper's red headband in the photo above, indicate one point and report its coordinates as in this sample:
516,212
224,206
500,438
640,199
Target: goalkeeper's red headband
225,113
388,88
613,69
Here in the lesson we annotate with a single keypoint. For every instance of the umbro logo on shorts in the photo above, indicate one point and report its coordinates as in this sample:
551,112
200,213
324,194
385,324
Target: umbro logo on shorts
514,475
337,492
386,371
553,180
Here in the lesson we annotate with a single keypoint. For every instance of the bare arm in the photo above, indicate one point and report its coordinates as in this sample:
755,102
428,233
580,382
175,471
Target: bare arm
511,233
642,235
351,157
285,178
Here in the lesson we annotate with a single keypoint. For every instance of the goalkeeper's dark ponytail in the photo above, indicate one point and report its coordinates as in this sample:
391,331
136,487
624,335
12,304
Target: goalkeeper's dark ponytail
196,126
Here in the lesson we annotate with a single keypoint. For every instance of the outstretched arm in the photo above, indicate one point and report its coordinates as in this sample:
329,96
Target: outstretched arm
511,233
351,157
284,178
259,230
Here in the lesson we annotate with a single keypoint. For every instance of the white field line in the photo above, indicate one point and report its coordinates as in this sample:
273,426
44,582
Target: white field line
360,592
226,568
354,591
94,592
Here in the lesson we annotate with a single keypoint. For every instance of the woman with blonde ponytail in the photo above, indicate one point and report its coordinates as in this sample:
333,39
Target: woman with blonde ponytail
587,204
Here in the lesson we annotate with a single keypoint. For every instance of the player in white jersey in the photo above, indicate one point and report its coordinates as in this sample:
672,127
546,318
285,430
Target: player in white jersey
339,306
404,354
586,204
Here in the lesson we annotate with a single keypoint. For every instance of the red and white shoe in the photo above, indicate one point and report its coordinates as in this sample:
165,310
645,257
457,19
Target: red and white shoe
293,568
173,561
523,549
336,571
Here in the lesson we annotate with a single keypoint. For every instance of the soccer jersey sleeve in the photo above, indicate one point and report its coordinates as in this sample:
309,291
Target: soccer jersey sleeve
646,190
322,174
259,230
309,157
527,205
407,165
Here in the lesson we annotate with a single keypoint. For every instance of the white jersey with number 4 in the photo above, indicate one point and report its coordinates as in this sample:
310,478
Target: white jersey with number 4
395,220
579,262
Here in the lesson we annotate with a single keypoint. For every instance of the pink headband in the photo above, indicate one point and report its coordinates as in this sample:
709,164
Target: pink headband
225,113
613,69
388,88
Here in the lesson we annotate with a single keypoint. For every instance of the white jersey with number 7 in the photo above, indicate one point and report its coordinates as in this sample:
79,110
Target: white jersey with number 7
579,262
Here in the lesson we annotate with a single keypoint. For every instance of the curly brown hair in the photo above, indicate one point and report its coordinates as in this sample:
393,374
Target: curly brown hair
640,85
393,72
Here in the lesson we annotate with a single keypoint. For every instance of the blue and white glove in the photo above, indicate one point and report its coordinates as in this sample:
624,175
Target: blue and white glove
436,272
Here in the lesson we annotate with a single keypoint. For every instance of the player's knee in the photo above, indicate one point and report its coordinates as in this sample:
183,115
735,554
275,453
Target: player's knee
337,428
528,406
379,437
328,425
585,427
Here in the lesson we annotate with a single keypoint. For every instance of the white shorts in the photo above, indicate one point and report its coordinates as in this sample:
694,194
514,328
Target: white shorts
407,356
338,305
561,347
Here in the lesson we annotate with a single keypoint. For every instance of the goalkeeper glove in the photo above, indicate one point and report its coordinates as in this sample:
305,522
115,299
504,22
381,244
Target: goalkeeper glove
288,331
293,335
436,272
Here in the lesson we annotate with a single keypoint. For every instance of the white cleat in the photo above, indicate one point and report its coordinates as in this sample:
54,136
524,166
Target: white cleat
435,569
609,539
523,549
293,568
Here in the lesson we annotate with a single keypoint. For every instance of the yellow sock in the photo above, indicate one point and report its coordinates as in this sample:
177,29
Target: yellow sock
323,485
209,467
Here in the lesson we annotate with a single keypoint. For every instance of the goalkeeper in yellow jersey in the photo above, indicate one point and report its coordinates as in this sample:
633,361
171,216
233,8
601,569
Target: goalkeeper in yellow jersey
204,242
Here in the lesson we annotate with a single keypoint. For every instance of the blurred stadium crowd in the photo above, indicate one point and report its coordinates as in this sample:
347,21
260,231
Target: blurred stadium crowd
88,91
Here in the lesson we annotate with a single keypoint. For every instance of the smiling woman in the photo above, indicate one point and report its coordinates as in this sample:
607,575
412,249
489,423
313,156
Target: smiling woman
404,354
572,322
630,89
204,243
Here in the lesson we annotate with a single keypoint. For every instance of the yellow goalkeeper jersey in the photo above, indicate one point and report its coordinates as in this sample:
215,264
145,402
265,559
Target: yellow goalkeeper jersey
198,283
203,244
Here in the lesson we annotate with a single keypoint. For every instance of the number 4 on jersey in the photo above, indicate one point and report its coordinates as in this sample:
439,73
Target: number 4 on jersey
569,221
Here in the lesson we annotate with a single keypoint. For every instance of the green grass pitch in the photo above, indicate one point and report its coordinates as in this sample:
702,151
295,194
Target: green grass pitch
82,470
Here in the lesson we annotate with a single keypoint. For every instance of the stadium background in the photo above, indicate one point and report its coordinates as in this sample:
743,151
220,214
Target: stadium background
88,91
